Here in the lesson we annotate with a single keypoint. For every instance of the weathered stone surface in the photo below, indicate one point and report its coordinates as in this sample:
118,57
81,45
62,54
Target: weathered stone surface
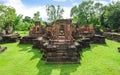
38,43
26,40
9,38
36,31
61,48
60,42
112,36
9,29
97,39
2,49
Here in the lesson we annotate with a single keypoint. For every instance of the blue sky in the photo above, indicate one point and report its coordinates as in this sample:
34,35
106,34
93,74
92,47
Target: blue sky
29,7
54,2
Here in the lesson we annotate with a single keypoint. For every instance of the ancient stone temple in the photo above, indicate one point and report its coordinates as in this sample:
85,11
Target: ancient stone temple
60,41
36,31
9,35
87,33
61,48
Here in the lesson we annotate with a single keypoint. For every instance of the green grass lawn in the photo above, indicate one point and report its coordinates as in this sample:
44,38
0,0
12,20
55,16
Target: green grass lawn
22,33
23,60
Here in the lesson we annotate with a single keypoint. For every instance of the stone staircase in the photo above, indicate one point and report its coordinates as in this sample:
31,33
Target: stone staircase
62,54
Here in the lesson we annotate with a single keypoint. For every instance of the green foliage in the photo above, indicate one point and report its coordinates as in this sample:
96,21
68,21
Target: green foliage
36,16
111,15
23,26
89,12
28,19
54,13
7,16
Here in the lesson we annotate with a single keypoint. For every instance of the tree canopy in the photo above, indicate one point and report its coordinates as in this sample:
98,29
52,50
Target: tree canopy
7,16
90,12
54,13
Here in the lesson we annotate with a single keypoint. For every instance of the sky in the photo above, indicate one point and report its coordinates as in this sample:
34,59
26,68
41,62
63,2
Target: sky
29,7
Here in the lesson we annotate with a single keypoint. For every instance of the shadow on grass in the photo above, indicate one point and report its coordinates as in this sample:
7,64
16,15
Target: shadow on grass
48,69
64,69
55,69
28,48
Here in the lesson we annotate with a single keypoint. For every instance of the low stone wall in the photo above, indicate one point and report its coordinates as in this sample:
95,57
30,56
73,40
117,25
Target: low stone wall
112,36
38,43
9,38
97,39
26,40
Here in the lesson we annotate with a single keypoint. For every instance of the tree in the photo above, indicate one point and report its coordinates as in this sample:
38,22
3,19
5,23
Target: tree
88,12
110,17
83,12
54,13
7,15
36,16
98,10
74,13
28,19
17,21
114,16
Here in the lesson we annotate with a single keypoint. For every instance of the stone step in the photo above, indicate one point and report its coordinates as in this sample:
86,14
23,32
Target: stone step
67,62
55,53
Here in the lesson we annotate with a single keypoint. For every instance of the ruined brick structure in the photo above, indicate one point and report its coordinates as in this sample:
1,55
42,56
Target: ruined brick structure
60,41
9,35
61,48
112,36
89,34
36,31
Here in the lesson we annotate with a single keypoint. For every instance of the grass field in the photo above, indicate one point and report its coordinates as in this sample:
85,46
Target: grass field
22,33
23,60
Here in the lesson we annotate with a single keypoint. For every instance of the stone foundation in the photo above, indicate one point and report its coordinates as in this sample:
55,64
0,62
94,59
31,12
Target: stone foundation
38,43
10,38
112,36
61,54
97,39
27,40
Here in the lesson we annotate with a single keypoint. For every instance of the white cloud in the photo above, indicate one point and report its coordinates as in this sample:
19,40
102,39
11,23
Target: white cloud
60,0
114,0
29,11
66,14
102,1
25,11
72,0
75,3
